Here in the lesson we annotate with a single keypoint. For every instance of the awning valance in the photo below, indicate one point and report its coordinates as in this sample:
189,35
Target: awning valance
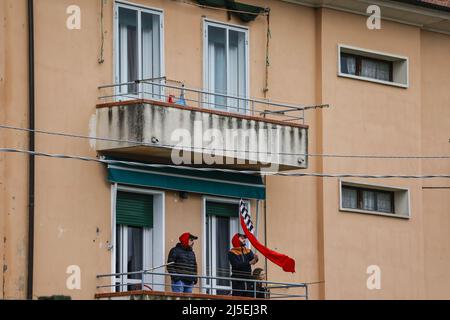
236,185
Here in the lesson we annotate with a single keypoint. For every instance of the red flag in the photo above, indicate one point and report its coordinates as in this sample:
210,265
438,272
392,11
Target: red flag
285,262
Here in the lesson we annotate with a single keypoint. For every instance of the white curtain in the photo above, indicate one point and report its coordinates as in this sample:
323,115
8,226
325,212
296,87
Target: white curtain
128,50
227,68
348,64
151,57
217,67
368,200
237,70
349,198
375,69
384,202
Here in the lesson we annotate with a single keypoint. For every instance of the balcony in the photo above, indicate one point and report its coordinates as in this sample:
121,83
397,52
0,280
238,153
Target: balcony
164,121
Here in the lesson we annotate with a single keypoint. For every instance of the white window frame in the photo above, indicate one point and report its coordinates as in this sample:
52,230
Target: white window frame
208,99
157,235
398,192
236,224
139,9
377,55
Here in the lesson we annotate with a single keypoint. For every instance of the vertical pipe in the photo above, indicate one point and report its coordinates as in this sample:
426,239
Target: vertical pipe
265,225
31,147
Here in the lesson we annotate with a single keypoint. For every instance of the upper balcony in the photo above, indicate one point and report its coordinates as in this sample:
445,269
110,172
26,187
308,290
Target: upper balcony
165,121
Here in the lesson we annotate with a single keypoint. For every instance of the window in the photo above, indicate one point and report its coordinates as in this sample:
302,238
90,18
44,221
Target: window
138,50
134,224
374,199
366,199
373,66
366,67
222,222
226,66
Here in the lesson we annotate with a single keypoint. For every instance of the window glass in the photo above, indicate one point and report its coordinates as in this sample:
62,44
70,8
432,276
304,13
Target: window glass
128,48
226,68
384,202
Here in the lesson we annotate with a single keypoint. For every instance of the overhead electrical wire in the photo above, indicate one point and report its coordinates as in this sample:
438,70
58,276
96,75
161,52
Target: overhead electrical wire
194,148
262,172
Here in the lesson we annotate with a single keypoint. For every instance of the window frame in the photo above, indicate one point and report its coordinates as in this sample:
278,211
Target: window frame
158,233
116,47
227,26
212,284
376,56
400,200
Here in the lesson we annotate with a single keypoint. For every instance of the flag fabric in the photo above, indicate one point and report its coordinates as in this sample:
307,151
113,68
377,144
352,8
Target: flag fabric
246,216
282,260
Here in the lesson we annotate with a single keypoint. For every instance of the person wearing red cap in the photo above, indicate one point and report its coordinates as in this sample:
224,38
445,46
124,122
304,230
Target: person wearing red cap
241,259
183,264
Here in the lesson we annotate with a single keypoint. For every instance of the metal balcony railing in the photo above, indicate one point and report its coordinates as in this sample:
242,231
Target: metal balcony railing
172,91
149,280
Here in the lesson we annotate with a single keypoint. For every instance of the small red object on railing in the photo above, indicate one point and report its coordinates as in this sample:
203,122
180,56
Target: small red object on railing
171,99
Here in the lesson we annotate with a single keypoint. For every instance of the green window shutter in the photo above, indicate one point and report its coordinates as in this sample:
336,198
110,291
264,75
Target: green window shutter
222,209
134,209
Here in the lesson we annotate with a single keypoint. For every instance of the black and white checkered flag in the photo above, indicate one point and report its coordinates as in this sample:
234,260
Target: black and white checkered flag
246,215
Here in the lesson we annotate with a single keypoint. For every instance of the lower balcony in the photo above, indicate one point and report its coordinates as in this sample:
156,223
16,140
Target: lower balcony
153,285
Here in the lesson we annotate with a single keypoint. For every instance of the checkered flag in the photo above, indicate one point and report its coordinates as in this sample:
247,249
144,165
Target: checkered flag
246,216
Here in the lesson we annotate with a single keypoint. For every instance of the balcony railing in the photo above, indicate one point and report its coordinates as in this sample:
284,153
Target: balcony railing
172,91
158,284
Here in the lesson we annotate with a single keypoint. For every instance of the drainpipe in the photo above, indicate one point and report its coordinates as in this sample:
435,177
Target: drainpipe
31,147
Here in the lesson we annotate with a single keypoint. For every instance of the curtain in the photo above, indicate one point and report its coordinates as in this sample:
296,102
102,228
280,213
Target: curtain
237,70
128,52
349,198
135,251
375,69
217,66
348,64
151,57
384,202
222,247
368,200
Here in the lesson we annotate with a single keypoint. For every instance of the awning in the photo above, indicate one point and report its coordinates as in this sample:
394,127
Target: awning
236,185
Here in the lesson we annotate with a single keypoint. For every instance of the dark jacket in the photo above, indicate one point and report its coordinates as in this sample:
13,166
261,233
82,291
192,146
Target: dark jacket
185,263
240,258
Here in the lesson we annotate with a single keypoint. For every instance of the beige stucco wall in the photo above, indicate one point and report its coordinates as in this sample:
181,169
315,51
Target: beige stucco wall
368,118
73,211
13,174
435,124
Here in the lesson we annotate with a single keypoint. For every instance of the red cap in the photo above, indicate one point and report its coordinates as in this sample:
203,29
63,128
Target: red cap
235,241
184,239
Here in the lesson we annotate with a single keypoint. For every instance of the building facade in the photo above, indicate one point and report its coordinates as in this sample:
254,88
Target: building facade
136,82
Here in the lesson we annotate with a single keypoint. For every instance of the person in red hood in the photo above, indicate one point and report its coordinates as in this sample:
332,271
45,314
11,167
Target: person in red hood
183,264
241,259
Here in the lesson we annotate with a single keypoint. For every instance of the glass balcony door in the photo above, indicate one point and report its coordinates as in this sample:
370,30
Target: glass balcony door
139,52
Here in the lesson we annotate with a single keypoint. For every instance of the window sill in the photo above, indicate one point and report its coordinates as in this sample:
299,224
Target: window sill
390,215
388,83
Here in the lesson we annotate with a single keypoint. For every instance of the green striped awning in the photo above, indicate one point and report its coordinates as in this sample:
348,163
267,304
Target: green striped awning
217,183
